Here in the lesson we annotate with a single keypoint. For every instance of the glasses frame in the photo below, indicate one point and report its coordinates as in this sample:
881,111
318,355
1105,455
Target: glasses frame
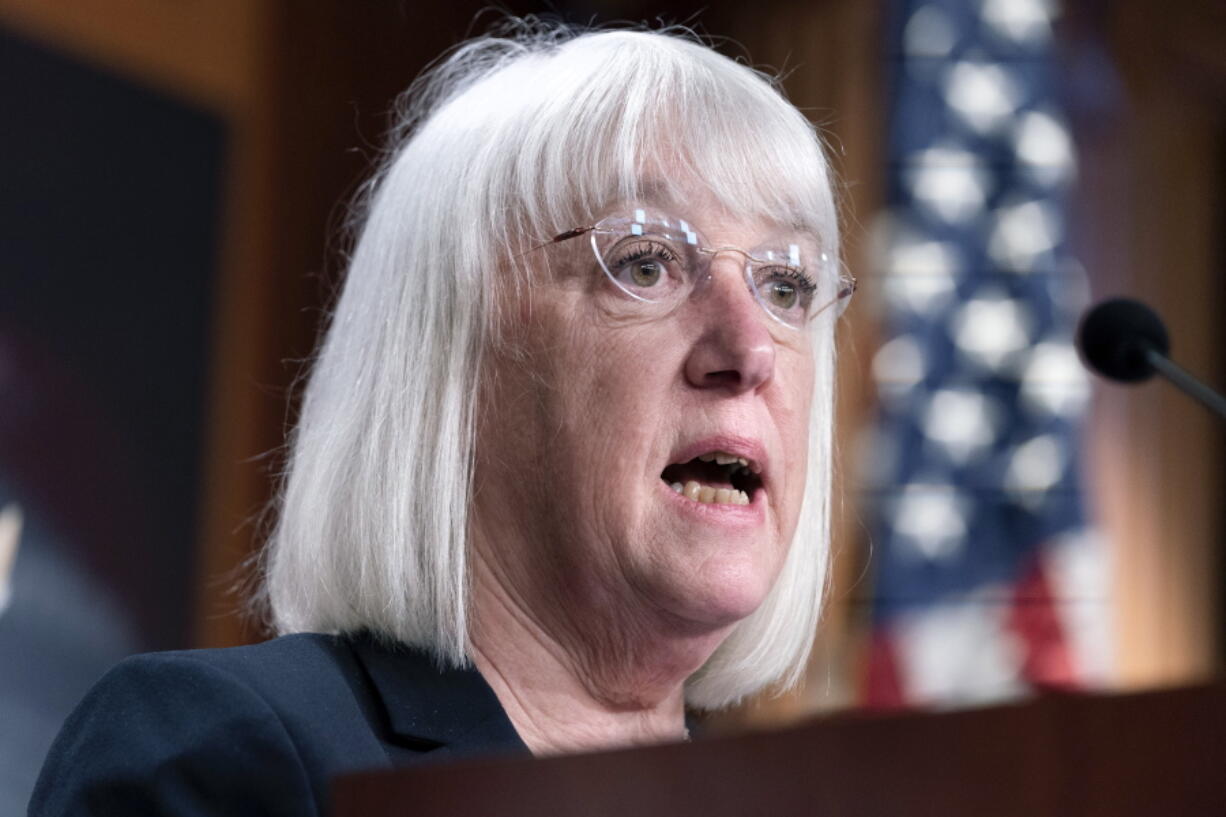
847,288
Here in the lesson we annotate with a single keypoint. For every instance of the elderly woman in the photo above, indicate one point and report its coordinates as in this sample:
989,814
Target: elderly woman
564,459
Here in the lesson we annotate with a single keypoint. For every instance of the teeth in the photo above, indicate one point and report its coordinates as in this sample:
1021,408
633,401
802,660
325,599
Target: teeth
715,496
724,458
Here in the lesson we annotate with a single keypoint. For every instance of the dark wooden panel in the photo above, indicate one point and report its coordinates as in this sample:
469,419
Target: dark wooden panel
1155,753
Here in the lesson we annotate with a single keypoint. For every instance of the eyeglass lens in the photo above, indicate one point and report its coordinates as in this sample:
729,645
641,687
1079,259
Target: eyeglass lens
658,260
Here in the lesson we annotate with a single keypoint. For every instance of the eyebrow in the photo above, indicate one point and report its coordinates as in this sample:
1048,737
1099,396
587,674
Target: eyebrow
656,192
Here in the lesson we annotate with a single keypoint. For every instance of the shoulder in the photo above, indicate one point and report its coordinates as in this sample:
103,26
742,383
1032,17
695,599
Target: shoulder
318,664
166,733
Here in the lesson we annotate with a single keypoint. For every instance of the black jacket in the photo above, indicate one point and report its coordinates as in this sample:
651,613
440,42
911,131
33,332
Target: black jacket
261,730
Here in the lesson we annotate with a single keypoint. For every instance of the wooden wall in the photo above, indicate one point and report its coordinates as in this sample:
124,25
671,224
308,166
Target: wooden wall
1151,220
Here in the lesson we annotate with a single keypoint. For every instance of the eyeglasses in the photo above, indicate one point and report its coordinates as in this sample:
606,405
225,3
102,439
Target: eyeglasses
659,261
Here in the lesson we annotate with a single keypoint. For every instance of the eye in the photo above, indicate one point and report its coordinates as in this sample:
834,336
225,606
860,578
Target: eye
646,273
781,294
785,291
644,265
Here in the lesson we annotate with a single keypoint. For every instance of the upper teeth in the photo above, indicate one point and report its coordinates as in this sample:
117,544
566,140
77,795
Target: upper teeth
724,458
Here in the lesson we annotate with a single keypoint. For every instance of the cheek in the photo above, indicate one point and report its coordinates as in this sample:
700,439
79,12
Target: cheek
598,400
792,414
792,393
612,388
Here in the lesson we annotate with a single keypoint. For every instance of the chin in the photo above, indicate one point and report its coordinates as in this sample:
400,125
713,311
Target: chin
724,595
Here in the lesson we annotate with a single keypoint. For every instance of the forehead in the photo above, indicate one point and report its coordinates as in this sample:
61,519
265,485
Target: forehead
708,227
715,220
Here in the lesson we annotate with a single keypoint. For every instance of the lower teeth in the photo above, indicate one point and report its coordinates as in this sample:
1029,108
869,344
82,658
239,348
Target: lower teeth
715,496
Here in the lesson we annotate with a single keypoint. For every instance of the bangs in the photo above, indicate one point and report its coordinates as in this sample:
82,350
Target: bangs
631,117
684,119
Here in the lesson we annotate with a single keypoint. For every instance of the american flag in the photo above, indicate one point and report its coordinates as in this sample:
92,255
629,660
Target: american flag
988,581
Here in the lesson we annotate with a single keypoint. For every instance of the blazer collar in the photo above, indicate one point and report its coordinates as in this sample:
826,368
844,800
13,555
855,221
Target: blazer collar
432,707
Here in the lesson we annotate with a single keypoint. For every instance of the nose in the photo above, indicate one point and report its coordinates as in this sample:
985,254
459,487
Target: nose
735,352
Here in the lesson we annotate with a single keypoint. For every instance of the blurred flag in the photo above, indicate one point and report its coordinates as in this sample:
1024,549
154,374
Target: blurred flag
987,581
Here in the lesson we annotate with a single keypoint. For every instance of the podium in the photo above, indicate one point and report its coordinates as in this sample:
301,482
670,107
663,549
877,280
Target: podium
1153,753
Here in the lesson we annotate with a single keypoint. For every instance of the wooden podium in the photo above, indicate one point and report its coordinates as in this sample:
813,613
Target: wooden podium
1154,753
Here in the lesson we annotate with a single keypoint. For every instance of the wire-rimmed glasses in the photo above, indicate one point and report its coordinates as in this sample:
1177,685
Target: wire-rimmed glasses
659,260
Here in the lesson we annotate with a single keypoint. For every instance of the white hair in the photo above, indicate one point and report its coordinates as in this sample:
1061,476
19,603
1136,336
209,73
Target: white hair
515,137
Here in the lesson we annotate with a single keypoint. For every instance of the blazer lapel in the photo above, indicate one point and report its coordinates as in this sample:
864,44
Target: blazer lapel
445,712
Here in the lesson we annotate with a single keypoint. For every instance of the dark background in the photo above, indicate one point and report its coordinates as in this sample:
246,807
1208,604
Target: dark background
109,228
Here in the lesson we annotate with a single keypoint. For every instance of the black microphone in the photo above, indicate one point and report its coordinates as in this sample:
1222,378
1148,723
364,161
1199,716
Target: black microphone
1125,340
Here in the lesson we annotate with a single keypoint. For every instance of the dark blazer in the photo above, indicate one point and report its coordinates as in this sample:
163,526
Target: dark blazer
261,730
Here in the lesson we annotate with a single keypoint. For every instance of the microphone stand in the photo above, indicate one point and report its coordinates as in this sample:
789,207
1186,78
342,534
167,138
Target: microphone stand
1185,381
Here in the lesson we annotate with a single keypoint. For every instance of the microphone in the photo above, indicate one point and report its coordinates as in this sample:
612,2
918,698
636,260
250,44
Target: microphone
1125,340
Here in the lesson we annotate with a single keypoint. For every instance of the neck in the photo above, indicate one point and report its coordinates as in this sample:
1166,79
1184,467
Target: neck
576,681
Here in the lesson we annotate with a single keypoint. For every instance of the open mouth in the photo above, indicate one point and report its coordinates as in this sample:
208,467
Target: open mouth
716,477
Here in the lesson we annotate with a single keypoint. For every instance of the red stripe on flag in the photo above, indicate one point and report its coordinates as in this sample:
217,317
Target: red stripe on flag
883,686
1047,660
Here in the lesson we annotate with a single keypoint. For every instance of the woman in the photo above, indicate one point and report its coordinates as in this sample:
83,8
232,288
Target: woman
563,463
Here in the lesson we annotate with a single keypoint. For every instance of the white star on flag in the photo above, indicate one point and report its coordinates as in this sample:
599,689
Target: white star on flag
985,95
991,330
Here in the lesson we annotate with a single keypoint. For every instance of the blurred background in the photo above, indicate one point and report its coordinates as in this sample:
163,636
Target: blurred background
174,179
